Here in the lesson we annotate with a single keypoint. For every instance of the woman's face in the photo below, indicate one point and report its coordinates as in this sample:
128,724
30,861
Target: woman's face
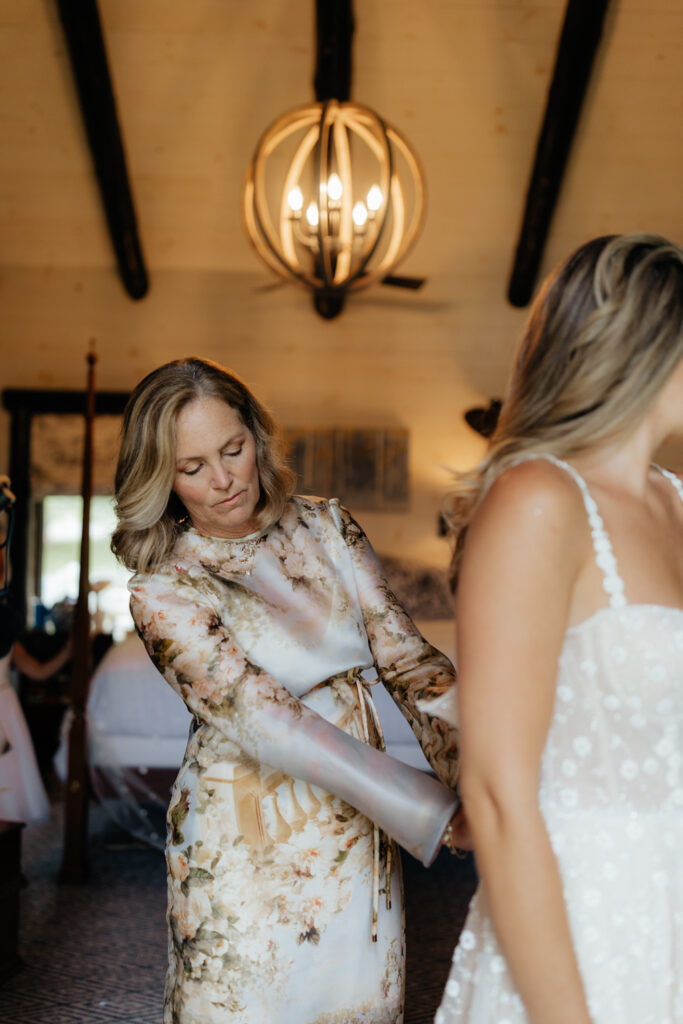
216,475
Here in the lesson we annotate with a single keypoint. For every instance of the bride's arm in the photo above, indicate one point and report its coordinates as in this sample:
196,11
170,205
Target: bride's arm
524,550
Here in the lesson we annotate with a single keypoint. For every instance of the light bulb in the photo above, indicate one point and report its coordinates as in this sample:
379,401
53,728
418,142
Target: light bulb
359,214
334,188
374,198
312,215
295,199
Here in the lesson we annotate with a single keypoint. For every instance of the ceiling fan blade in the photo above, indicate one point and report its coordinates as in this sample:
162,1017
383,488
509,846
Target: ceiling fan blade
397,281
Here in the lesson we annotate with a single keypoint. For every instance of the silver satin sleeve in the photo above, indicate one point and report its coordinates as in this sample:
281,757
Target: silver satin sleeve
204,664
420,679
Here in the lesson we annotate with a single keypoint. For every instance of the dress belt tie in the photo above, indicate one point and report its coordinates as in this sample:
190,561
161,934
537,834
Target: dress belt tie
365,701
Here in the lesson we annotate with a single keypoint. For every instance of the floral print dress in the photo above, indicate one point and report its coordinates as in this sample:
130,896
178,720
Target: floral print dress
284,907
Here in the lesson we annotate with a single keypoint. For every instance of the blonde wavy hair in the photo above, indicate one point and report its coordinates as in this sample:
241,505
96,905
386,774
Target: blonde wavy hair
150,515
603,335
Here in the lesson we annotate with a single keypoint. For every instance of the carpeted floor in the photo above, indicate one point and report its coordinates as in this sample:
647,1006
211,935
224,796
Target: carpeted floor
96,953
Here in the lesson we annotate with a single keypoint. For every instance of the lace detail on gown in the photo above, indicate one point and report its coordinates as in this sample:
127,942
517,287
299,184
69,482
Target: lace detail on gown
611,794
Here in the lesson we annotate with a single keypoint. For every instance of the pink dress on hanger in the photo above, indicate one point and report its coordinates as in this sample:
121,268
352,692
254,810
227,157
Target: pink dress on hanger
22,794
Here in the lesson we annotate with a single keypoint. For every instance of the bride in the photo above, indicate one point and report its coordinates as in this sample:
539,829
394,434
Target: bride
569,566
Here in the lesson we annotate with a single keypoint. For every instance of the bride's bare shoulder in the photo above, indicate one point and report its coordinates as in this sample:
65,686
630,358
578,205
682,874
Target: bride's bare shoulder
530,526
538,488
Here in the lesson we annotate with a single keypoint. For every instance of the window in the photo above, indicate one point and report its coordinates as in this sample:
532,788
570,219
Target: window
62,517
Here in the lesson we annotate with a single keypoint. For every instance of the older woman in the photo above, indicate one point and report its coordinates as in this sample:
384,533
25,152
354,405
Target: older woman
262,610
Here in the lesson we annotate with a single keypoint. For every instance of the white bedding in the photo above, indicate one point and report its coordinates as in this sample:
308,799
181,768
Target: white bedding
134,717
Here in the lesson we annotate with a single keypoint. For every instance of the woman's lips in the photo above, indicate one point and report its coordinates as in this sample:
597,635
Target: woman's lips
229,500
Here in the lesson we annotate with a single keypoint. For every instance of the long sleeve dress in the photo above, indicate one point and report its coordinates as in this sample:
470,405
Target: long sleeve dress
274,855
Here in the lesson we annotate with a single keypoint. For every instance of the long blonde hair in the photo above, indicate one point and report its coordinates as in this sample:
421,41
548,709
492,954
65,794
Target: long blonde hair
150,515
603,335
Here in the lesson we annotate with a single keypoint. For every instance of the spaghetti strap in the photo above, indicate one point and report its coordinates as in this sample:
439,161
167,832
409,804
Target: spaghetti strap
612,583
672,478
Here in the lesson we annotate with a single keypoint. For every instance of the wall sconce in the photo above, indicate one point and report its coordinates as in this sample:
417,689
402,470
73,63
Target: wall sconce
334,196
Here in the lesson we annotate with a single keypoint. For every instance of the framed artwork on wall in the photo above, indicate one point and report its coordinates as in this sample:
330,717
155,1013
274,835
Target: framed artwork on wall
365,469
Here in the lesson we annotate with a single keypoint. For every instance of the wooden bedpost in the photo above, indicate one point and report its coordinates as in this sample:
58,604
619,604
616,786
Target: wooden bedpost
76,797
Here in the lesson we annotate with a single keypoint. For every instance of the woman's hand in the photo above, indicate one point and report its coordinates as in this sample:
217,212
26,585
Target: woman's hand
458,835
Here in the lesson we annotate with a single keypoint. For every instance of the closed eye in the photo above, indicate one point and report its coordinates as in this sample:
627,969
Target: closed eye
191,472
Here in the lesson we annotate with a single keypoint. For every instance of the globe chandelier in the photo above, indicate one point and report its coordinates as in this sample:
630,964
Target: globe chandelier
334,196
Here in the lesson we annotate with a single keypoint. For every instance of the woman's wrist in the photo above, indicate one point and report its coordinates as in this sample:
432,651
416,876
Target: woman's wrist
457,836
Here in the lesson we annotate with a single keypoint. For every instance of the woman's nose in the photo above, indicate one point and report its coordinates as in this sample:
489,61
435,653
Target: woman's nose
220,477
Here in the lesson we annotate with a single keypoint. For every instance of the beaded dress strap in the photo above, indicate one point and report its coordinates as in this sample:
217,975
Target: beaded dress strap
612,583
672,477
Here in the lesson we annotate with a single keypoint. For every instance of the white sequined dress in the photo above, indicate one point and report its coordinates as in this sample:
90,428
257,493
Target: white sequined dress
611,794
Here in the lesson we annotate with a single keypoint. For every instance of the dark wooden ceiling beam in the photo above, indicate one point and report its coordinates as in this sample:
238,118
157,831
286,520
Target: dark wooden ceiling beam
578,45
81,22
